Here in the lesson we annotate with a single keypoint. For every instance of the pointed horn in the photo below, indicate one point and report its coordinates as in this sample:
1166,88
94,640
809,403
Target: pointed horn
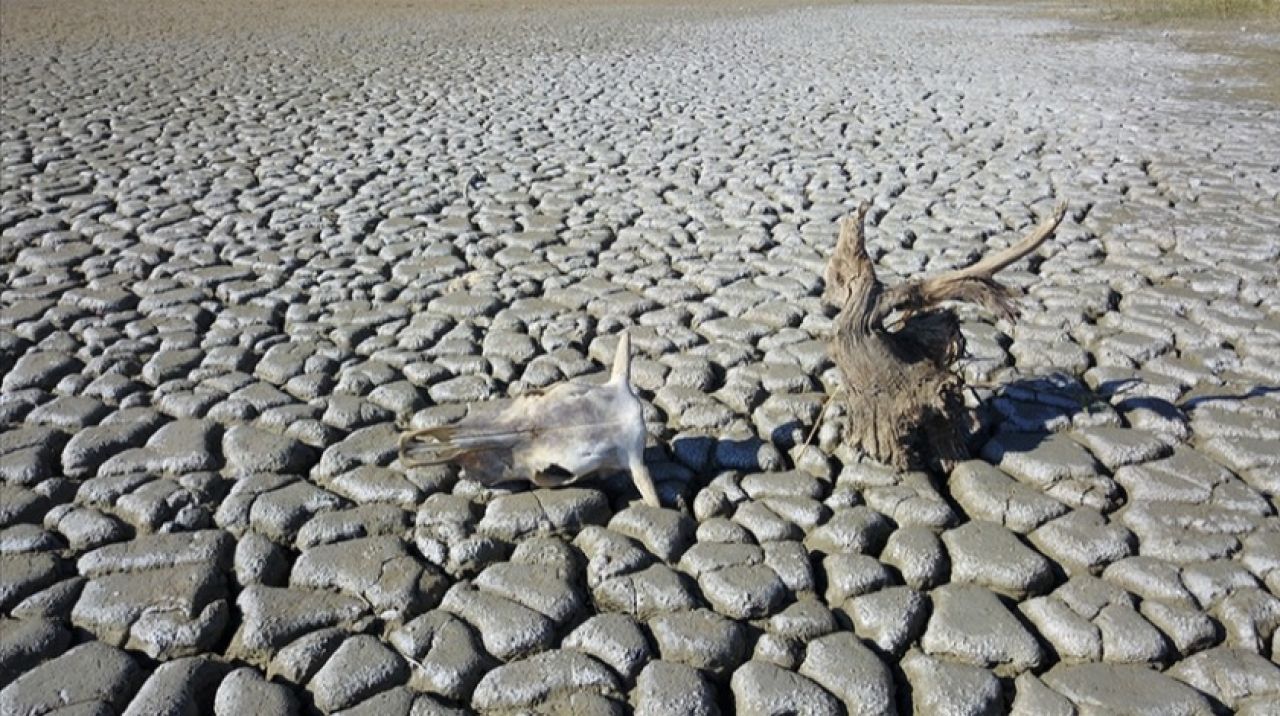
622,360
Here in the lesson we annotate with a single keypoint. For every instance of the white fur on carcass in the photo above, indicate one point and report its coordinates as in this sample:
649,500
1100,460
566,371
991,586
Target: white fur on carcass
556,438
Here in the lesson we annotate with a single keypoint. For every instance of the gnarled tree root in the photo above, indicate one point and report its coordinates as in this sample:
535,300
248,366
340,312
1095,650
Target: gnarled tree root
896,346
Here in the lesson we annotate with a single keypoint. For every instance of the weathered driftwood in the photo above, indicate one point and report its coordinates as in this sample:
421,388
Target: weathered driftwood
552,439
895,346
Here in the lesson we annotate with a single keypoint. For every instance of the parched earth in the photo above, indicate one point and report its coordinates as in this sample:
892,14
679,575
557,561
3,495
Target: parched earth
245,246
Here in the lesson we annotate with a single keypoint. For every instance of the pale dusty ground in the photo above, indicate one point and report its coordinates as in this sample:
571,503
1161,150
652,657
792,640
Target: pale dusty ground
244,247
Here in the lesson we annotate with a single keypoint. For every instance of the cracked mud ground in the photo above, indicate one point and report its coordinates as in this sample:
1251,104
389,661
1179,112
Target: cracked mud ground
243,248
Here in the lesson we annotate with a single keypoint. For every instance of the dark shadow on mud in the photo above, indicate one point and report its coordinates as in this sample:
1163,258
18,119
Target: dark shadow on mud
1197,401
1044,405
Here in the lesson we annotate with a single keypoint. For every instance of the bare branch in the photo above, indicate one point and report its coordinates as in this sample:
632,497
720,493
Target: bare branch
993,264
973,284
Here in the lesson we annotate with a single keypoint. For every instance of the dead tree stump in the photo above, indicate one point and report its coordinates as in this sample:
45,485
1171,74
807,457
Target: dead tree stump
896,346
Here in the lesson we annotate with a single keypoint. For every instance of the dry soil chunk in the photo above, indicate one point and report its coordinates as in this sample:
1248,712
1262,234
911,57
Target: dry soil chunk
350,412
1117,447
1189,629
1121,688
744,592
29,465
248,450
1056,464
244,691
891,618
1151,578
784,484
986,493
1229,675
989,555
352,523
361,667
39,369
666,533
370,484
21,505
72,413
379,570
89,673
177,688
258,560
178,447
911,499
161,550
938,686
1072,636
1185,476
765,524
1084,541
168,365
509,630
1040,459
304,656
1245,453
857,529
842,665
972,625
566,510
614,639
702,639
1251,617
373,445
852,575
281,513
24,574
85,527
609,554
918,555
790,561
273,617
165,612
534,586
52,602
88,448
1128,638
1033,698
804,620
1261,555
531,681
667,689
27,538
762,689
25,642
447,657
655,590
706,557
393,702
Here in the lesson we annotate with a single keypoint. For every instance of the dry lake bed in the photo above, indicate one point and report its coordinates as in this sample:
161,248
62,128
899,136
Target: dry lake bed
243,248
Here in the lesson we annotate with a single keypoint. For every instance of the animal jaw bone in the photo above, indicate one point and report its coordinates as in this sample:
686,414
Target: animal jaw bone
556,438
